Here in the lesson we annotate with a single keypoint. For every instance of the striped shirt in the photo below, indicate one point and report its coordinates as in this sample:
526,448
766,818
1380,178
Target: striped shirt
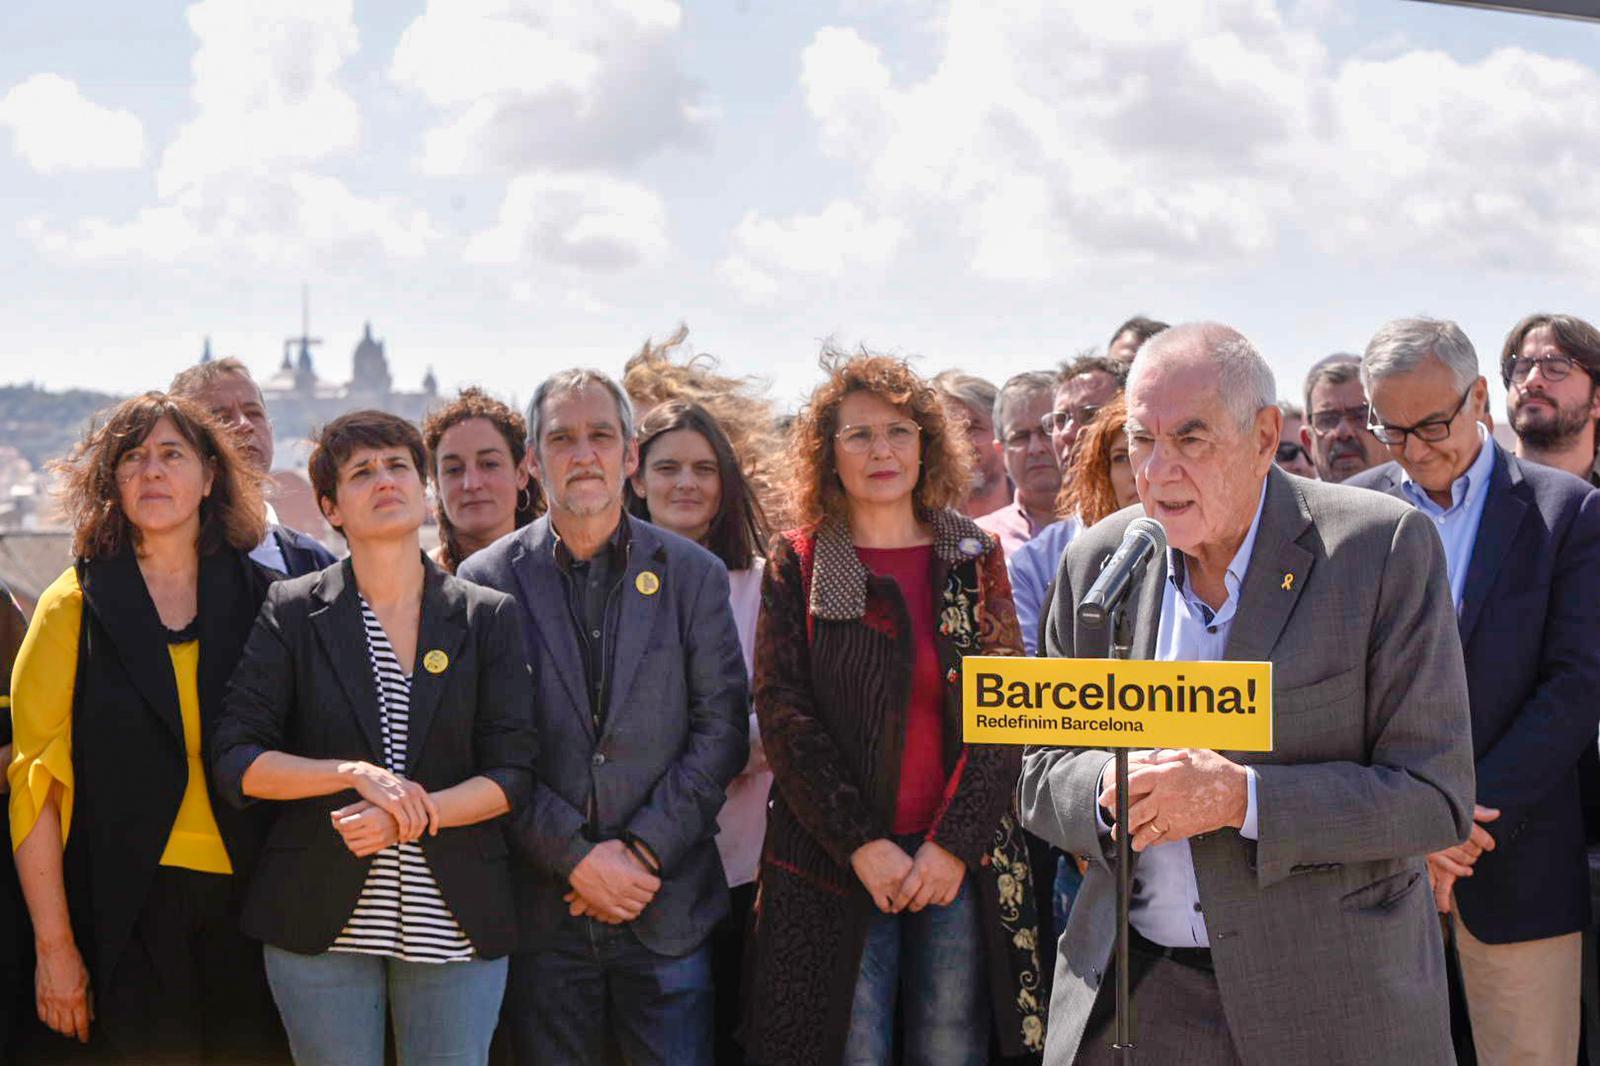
401,912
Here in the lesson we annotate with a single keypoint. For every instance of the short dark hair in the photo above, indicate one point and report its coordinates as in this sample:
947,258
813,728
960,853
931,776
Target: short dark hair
1577,339
738,531
1141,327
191,381
338,440
1089,363
1336,369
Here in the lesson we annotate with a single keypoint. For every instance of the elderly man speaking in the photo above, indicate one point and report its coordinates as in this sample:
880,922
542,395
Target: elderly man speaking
1280,908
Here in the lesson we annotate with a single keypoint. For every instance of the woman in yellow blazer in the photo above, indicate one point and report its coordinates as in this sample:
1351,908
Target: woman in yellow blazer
129,867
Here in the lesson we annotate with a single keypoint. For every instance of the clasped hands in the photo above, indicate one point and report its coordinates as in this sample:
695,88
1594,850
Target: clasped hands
611,884
1174,794
1445,867
898,882
392,810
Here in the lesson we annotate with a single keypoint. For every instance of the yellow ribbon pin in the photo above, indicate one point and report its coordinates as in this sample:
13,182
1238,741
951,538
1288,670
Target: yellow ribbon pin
647,583
435,661
1288,582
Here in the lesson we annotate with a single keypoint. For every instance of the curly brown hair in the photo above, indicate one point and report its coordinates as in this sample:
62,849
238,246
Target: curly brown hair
815,492
1086,491
739,406
232,516
473,403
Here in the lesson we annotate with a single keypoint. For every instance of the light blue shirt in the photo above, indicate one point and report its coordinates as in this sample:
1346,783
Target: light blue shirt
1165,906
1458,524
1032,568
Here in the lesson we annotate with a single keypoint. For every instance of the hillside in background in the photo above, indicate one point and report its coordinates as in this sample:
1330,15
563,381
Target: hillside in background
44,425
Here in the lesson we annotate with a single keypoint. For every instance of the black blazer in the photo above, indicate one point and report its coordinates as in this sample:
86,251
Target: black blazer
301,554
1530,627
305,686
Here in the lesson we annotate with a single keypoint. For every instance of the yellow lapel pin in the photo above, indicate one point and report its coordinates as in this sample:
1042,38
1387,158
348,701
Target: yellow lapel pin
1288,582
435,662
647,583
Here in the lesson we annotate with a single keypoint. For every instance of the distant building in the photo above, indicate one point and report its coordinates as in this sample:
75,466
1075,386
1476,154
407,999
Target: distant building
299,400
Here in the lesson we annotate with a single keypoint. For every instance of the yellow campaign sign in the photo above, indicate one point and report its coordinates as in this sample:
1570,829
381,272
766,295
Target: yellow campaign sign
1117,703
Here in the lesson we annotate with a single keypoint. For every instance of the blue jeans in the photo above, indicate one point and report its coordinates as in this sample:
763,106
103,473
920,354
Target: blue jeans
333,1007
935,959
595,985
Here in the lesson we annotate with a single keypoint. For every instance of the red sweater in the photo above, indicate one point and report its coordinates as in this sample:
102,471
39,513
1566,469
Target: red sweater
922,763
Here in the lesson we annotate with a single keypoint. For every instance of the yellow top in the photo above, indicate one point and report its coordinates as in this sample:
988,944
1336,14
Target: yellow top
41,715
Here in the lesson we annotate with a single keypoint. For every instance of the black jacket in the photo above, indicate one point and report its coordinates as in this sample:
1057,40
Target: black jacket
305,687
301,554
1529,620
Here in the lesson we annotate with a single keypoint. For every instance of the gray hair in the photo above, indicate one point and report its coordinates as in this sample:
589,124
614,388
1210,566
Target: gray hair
1019,387
1399,347
565,382
1291,409
969,390
1244,379
1335,369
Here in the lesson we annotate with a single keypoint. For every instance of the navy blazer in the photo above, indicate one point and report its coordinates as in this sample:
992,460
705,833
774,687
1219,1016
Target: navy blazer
1529,620
301,554
674,732
304,686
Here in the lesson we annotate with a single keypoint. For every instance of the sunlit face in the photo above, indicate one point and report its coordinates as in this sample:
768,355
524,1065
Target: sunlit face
1080,398
1336,431
680,482
1195,470
1125,347
988,470
1547,413
1030,459
478,482
1429,394
380,496
885,471
161,481
1122,480
582,455
234,400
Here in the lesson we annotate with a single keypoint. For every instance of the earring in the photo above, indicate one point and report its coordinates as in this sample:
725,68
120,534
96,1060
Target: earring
524,504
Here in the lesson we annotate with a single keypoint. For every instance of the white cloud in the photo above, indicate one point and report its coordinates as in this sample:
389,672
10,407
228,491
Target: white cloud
266,87
55,128
533,84
589,222
836,242
1048,136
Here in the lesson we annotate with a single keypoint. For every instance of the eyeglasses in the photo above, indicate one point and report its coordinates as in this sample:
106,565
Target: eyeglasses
1431,431
1057,421
1290,452
1326,421
1552,367
1019,439
901,436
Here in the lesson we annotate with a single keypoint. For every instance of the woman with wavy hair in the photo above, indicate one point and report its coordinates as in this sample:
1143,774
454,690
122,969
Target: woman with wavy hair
893,868
482,488
131,869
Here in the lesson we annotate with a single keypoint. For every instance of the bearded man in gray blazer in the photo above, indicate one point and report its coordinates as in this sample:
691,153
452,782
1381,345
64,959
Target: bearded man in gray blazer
1280,909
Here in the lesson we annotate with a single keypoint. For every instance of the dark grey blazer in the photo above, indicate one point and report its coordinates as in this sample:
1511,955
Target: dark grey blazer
1326,944
304,686
1530,626
675,729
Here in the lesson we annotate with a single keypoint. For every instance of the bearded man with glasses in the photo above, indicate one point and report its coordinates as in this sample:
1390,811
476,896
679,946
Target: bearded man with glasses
1522,550
1335,433
1550,364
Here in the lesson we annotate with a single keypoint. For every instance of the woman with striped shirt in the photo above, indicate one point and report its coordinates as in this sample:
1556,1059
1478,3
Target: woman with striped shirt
386,706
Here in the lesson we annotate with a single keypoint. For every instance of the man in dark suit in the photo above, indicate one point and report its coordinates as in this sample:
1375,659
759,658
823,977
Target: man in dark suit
225,388
1522,548
642,718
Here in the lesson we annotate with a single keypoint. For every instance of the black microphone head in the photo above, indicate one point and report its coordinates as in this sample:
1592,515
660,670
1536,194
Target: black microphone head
1150,529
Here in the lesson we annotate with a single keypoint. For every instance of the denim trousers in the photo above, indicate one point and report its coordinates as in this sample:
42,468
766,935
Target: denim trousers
596,989
933,962
333,1006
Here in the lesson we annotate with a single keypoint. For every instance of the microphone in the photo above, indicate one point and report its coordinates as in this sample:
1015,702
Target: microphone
1144,538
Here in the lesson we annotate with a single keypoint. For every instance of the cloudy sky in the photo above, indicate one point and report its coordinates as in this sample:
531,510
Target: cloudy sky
505,187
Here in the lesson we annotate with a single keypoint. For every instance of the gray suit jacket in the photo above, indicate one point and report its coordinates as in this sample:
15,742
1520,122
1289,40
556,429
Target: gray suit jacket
1326,945
675,731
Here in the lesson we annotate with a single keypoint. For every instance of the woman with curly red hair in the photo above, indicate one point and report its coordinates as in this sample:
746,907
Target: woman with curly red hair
893,868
